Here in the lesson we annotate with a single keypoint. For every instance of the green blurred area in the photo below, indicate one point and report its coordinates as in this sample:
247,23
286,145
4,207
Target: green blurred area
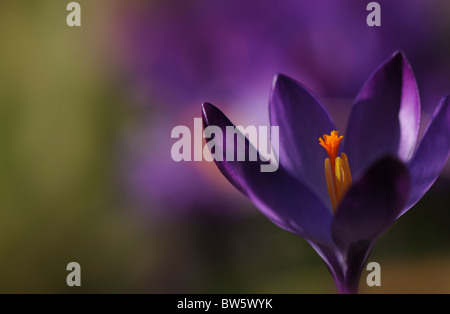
59,121
61,116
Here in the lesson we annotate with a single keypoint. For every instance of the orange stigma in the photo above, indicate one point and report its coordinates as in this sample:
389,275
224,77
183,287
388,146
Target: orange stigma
337,169
331,144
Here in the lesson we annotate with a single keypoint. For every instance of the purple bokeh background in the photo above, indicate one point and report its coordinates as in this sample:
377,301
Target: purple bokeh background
173,55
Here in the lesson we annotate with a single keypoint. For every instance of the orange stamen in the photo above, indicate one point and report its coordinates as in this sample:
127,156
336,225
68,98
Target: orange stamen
337,169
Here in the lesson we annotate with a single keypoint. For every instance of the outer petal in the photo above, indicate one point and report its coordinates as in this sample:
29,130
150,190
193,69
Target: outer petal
385,118
283,199
432,153
369,208
372,204
302,120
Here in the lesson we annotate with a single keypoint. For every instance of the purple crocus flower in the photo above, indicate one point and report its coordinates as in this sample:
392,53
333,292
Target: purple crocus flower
390,172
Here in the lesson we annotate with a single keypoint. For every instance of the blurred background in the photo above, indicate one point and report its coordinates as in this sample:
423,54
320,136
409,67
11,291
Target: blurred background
85,121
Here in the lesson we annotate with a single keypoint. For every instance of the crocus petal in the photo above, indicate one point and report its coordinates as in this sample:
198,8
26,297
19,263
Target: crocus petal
281,197
302,121
385,118
367,210
431,154
371,205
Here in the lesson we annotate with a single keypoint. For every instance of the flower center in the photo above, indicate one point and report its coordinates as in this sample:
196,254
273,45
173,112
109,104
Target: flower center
337,170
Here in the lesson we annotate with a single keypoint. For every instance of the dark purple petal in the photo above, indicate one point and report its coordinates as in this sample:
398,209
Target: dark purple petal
302,121
385,118
371,205
432,153
281,197
369,208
